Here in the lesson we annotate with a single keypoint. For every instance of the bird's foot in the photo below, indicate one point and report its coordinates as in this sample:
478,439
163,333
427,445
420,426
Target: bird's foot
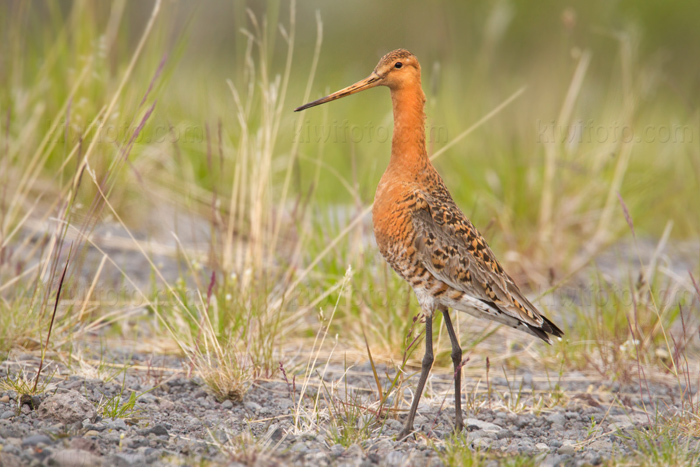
459,426
405,433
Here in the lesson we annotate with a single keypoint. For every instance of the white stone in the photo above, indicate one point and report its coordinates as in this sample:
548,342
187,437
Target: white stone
486,426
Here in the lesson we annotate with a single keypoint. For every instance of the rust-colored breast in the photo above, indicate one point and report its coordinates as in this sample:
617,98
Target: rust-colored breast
394,204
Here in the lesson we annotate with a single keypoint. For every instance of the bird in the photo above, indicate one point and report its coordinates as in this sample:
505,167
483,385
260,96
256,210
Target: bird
427,239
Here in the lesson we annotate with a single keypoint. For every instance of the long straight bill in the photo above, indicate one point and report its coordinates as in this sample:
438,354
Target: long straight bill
367,83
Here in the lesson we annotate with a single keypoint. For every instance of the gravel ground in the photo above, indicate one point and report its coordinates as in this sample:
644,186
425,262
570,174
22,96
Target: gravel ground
179,422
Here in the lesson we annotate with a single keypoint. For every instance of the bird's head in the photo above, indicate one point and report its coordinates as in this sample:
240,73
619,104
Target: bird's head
395,70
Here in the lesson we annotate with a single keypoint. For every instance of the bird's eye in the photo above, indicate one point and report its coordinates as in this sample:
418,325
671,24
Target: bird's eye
398,65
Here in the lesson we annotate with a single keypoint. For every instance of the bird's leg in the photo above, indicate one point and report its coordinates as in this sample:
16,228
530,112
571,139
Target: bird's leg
457,362
425,370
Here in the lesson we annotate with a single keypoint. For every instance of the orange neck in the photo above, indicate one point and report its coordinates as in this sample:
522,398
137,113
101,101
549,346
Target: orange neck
408,151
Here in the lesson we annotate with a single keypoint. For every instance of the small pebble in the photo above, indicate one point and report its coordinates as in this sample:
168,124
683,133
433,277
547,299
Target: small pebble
473,424
34,440
481,443
252,406
337,449
285,404
67,407
74,457
566,450
118,424
395,458
556,418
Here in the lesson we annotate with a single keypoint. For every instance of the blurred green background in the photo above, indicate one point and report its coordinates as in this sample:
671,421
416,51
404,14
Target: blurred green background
640,87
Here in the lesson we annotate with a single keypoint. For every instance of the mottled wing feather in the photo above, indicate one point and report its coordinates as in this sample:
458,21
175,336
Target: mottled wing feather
450,247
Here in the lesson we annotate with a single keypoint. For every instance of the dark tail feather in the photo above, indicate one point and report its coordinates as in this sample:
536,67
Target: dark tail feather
547,328
551,328
542,331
